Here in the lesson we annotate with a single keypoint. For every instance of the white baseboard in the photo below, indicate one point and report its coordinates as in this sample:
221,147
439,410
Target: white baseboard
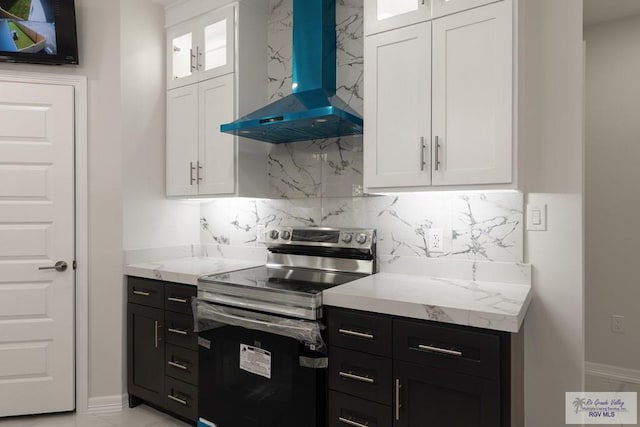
107,403
612,372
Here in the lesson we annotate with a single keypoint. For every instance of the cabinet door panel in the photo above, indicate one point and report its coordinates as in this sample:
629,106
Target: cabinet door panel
182,141
145,352
217,149
383,15
216,50
398,107
428,396
472,96
447,7
181,50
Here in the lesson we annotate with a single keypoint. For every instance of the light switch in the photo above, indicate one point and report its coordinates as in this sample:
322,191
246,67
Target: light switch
537,217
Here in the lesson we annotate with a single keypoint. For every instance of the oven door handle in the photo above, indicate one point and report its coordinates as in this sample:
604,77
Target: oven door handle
259,322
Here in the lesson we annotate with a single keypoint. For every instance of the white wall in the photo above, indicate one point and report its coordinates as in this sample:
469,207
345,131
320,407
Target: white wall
99,40
150,219
612,197
550,131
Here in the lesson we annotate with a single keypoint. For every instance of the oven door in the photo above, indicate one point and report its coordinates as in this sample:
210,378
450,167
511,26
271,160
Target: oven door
253,378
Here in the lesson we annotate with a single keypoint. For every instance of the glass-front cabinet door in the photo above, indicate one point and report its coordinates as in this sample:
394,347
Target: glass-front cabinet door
201,48
383,15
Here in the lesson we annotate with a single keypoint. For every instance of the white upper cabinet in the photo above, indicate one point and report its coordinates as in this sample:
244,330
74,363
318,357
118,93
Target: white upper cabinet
398,107
383,15
201,48
447,7
439,103
472,96
213,85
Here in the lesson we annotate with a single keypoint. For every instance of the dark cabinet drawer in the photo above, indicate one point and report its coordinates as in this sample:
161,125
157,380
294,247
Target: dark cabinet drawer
360,331
447,347
349,411
179,330
181,364
178,297
145,292
359,374
181,398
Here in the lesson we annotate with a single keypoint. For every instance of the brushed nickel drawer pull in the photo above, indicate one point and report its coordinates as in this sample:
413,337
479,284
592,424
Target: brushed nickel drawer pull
440,350
180,300
356,334
356,377
177,399
398,404
141,293
349,422
178,331
178,365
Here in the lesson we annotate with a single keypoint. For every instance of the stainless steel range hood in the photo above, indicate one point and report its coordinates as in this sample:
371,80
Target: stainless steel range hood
312,111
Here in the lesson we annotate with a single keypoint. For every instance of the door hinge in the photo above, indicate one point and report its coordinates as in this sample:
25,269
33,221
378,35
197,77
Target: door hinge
75,264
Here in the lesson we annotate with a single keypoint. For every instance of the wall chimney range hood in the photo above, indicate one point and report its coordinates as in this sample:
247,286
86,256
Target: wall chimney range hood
312,111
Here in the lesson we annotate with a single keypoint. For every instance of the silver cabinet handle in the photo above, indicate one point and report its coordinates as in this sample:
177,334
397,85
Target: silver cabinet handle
356,377
191,57
199,55
141,293
180,300
59,266
156,333
191,170
356,334
437,154
398,405
440,350
351,423
177,399
422,148
178,331
198,172
178,365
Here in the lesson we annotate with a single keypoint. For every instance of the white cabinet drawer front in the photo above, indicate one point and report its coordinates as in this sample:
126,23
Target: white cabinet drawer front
398,107
472,96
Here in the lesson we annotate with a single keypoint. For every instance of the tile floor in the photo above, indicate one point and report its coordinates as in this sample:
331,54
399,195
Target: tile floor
140,416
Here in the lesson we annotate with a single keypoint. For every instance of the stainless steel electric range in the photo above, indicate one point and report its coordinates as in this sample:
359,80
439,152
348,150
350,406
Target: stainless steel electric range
262,352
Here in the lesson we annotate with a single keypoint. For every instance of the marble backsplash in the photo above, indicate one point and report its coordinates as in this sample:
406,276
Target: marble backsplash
478,226
328,167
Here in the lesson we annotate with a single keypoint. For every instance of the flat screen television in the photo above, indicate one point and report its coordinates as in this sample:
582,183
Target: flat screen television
38,31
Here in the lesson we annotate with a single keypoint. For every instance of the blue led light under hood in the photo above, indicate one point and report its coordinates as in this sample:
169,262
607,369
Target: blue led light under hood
313,110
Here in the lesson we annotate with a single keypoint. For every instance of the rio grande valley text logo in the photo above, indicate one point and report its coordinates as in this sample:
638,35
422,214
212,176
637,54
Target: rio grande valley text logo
601,408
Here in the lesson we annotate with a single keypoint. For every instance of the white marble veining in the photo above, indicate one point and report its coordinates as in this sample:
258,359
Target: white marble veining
186,270
478,227
327,167
488,305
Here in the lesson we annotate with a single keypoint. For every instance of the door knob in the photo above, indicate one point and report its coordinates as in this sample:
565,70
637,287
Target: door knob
60,266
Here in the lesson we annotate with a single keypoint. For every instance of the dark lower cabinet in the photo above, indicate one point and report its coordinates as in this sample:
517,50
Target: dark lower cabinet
387,371
434,397
162,356
145,352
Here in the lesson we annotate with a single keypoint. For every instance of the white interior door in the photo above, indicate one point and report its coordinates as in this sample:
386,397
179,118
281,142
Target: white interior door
37,361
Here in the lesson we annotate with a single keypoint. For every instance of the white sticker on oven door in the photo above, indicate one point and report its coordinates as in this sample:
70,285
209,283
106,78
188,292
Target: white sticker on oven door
255,360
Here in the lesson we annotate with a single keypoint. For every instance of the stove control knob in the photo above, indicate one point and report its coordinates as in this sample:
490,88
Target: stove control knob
286,235
347,238
361,239
274,234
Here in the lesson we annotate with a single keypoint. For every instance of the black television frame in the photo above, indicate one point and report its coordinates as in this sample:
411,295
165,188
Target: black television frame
66,39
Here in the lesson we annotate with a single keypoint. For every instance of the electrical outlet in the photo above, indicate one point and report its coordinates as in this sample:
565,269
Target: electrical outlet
436,240
617,324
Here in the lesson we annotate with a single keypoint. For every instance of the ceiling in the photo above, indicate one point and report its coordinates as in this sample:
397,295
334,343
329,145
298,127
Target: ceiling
596,11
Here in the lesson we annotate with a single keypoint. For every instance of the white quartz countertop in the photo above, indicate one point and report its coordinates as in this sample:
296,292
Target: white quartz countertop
186,270
489,305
